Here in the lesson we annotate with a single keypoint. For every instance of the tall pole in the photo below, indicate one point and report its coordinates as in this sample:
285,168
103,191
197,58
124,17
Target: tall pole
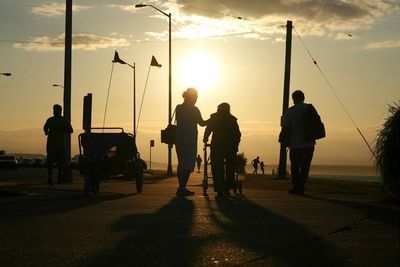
134,100
169,170
67,87
286,88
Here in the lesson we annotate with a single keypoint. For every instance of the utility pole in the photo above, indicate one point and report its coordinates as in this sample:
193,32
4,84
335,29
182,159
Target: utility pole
169,167
67,88
286,89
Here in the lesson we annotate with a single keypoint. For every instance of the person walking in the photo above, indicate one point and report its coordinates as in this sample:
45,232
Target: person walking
301,148
187,118
262,166
56,128
199,160
255,163
224,146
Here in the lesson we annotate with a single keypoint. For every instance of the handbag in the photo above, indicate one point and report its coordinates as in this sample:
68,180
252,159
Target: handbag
169,133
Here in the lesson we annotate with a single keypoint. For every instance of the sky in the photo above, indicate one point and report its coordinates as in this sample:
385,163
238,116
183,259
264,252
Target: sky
230,51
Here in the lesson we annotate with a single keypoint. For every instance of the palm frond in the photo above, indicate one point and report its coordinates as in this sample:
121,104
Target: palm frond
387,149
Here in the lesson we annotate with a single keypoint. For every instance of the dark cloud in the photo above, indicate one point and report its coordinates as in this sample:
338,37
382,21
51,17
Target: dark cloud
319,10
310,17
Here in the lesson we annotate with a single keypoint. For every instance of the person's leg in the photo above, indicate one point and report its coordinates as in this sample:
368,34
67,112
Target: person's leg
185,177
306,158
180,171
49,171
230,161
60,167
217,169
295,168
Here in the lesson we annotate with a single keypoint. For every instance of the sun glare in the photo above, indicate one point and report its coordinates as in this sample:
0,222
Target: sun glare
199,70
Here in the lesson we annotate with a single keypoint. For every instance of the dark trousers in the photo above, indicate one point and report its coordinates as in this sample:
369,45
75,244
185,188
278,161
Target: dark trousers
223,169
300,159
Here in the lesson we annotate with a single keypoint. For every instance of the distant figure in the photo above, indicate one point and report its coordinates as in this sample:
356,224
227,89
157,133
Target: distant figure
187,118
301,150
224,146
262,166
198,162
56,128
255,163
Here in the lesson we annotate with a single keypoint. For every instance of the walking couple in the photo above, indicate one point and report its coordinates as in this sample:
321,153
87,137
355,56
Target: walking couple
224,144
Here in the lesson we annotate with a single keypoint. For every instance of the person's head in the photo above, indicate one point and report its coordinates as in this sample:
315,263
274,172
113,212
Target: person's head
57,109
224,108
298,97
190,96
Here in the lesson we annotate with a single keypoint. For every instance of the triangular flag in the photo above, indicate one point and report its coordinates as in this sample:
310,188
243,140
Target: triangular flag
154,62
117,59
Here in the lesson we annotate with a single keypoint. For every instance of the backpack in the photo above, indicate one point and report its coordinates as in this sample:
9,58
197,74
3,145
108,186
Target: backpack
314,129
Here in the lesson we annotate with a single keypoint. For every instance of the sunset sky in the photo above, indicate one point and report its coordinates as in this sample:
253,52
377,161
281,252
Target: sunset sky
231,51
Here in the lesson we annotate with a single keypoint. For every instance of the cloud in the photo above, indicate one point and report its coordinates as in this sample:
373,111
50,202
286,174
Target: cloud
384,44
55,9
264,18
129,8
83,41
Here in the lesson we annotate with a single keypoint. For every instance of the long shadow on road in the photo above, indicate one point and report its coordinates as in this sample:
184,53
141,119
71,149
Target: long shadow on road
157,239
34,207
170,237
272,239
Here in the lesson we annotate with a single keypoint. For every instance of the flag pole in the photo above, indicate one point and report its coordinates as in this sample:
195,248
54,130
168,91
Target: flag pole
144,92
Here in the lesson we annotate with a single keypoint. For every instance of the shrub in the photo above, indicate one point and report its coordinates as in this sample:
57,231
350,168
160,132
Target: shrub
387,151
241,162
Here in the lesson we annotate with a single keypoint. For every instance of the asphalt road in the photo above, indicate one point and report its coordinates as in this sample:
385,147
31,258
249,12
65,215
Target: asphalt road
57,226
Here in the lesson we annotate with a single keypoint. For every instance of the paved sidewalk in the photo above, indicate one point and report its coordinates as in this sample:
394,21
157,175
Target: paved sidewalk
266,226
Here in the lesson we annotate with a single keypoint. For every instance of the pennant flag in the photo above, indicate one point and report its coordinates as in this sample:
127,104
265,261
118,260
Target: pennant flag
154,62
117,59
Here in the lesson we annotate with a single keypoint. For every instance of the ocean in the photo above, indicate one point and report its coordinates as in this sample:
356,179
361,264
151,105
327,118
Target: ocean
334,172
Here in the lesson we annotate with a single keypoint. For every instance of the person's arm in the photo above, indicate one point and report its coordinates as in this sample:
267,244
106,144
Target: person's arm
237,134
207,133
70,129
284,135
208,130
200,120
46,128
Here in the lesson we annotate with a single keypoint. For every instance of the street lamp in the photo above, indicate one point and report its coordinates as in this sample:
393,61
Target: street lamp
5,73
57,85
169,170
120,61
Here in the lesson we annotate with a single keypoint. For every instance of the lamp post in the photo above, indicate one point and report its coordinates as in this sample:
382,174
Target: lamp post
67,174
5,73
169,169
120,61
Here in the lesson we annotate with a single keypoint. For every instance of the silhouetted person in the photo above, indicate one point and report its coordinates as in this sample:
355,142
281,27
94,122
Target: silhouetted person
187,118
262,166
224,146
301,150
56,128
198,162
255,163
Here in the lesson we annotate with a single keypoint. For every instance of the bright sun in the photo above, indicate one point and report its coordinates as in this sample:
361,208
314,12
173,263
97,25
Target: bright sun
199,70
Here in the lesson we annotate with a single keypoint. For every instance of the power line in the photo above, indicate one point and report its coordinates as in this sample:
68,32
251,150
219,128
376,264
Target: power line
334,92
130,42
